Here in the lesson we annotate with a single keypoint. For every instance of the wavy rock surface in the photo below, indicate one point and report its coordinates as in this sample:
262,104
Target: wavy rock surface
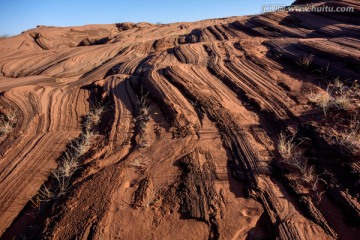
186,146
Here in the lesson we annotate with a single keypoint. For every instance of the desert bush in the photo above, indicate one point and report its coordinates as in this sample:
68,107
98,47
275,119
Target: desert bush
69,163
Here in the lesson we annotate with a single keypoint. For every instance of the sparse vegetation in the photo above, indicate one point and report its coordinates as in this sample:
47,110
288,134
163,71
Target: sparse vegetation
286,146
5,127
293,160
68,166
69,163
93,117
325,73
7,122
342,101
82,144
143,110
350,138
337,95
143,117
306,61
43,195
321,99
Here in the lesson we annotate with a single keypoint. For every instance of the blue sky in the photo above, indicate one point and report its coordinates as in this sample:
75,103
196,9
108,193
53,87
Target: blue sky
19,15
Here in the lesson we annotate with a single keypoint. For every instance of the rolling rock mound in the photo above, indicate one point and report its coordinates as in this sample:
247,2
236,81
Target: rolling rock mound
234,128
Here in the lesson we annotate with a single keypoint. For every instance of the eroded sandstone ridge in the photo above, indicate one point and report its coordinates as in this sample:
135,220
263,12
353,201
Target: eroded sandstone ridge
234,128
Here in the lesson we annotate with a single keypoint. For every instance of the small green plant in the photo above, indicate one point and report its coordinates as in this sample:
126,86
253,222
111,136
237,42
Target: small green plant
325,73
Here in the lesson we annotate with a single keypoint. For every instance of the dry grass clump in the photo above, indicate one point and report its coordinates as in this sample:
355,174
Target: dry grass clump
43,195
62,183
82,144
69,163
306,61
142,119
287,147
292,158
94,116
337,95
11,117
351,137
342,102
143,111
321,99
309,176
7,122
5,127
341,94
